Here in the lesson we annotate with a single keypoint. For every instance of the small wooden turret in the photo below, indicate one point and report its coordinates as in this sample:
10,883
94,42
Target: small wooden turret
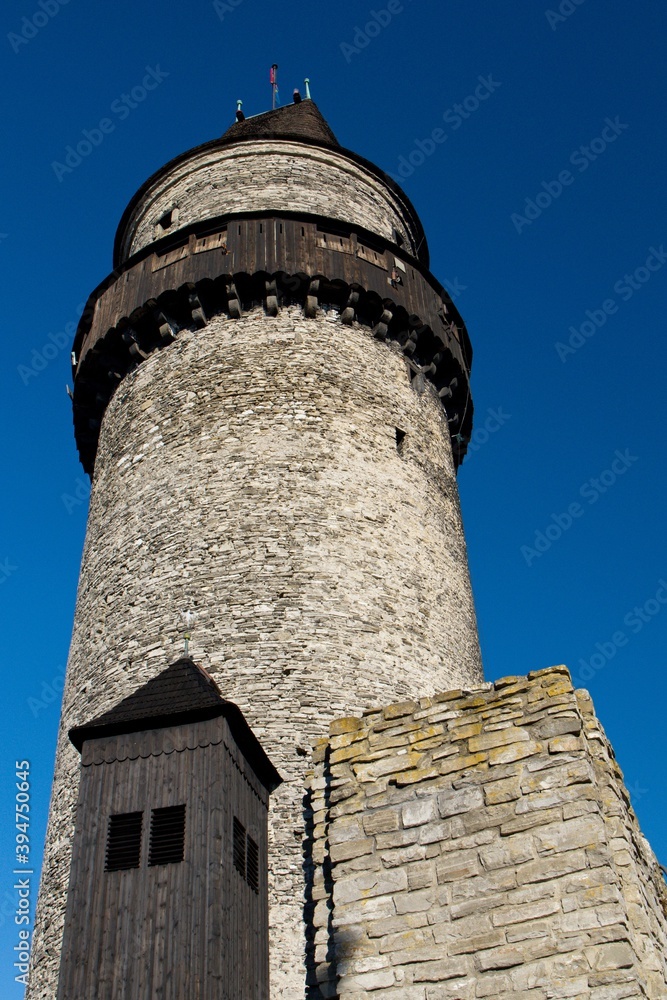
168,887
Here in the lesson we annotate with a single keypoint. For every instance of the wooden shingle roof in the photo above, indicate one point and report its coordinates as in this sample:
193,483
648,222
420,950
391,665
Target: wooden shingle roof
182,693
293,121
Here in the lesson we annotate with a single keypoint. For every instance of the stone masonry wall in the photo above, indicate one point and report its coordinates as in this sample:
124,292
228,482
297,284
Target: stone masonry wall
641,882
250,472
277,175
478,845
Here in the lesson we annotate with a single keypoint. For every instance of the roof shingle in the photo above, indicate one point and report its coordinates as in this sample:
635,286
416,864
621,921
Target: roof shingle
182,693
293,121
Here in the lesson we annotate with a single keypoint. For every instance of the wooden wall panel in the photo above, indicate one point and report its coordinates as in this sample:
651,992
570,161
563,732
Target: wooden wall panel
193,929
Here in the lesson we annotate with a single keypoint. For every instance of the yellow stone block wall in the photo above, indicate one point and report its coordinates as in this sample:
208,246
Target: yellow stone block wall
481,844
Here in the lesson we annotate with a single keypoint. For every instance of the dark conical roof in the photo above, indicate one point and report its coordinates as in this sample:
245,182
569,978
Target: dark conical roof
182,693
181,688
293,121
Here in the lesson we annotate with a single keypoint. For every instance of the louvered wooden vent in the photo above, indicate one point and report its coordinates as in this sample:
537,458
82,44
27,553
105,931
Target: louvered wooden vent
246,855
167,840
252,865
239,847
123,842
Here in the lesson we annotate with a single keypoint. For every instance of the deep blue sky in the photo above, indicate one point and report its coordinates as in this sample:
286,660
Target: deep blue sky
558,422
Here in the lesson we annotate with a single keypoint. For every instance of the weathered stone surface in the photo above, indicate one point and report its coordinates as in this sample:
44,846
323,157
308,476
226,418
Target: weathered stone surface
500,738
557,726
419,812
385,821
249,472
505,790
271,174
538,884
454,803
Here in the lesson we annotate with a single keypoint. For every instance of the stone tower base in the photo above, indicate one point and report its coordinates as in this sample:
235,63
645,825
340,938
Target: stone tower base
481,844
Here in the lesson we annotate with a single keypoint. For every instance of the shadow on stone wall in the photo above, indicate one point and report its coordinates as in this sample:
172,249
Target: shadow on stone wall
321,954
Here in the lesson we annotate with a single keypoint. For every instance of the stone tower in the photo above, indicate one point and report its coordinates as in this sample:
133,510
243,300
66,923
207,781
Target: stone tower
272,398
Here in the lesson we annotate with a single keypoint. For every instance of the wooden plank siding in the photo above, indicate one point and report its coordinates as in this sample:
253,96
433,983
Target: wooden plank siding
202,270
191,929
271,244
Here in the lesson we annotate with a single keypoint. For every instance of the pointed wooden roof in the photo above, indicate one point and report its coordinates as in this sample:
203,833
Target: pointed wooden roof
182,693
292,121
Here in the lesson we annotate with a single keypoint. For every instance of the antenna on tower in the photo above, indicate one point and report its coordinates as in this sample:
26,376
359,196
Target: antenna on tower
307,83
274,84
240,117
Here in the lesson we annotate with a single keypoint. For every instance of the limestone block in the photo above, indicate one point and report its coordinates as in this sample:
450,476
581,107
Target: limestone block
419,812
500,738
453,803
368,884
504,790
382,821
544,887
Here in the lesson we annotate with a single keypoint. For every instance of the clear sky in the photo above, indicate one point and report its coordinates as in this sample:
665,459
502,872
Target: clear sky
532,143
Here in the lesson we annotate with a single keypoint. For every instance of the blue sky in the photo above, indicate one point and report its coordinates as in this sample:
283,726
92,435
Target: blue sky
532,144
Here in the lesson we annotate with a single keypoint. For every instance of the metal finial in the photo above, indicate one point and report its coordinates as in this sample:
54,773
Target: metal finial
307,83
239,105
189,617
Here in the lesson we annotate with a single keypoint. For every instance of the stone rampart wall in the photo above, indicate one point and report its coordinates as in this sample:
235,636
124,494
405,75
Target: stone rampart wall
481,845
641,881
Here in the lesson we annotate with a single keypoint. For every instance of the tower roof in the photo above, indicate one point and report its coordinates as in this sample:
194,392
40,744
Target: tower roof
182,693
293,121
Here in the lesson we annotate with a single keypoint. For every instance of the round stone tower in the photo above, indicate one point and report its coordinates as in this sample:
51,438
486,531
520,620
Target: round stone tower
272,398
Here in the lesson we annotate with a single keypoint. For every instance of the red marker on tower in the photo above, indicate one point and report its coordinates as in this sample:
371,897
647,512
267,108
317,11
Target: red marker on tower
273,76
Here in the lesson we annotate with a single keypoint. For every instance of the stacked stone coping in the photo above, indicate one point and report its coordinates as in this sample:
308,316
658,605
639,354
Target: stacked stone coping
263,175
480,844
